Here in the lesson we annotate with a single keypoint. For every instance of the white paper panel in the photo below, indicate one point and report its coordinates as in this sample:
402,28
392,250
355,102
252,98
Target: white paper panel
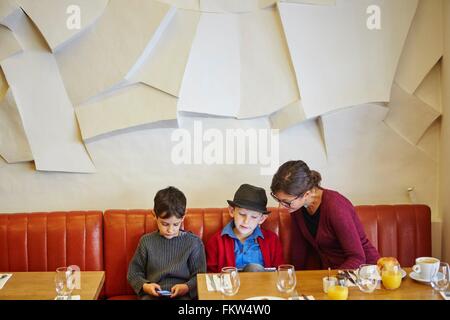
47,114
14,145
7,7
109,50
9,44
379,164
51,17
250,75
26,32
288,116
130,107
423,47
164,68
212,86
317,2
430,90
430,142
408,115
267,78
234,5
3,85
184,4
304,141
339,62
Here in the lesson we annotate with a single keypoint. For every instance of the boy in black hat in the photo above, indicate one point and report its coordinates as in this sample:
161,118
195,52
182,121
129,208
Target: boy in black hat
242,243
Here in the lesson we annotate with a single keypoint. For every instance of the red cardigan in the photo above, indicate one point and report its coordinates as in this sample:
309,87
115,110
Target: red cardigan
340,242
220,251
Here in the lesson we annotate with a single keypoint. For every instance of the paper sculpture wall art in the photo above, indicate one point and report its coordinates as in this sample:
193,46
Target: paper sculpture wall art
379,162
7,7
184,4
59,24
122,37
409,116
334,51
300,66
430,90
429,143
25,32
239,67
3,85
316,2
14,145
288,116
9,44
133,106
234,6
164,67
424,45
51,130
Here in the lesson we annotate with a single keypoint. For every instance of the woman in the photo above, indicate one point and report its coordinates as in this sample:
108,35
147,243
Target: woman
326,231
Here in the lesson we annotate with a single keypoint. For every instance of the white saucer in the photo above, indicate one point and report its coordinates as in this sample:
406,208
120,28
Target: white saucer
265,298
403,272
416,277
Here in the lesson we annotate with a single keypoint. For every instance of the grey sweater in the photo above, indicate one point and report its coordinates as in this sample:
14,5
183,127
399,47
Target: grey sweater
167,262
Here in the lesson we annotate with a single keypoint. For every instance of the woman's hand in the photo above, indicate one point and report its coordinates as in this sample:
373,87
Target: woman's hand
179,290
150,289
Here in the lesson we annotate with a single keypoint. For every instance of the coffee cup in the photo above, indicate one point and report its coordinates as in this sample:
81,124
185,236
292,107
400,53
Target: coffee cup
426,267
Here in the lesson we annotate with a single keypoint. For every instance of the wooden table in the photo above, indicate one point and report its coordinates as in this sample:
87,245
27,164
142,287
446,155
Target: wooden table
310,283
41,286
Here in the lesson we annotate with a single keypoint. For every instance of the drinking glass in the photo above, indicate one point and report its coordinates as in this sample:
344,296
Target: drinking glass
229,281
367,277
338,292
391,276
440,279
286,280
64,283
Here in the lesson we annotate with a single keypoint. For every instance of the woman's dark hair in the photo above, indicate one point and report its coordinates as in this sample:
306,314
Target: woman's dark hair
295,178
169,202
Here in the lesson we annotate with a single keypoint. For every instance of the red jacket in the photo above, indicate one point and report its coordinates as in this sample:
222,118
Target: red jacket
220,251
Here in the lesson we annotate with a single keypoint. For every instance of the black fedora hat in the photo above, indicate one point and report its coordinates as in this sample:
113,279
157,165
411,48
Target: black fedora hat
251,198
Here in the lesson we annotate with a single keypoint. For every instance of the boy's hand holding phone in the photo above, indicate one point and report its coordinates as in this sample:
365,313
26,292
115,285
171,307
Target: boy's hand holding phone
164,293
151,289
179,290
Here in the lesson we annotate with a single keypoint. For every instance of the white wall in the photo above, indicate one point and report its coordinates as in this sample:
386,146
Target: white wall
445,139
131,167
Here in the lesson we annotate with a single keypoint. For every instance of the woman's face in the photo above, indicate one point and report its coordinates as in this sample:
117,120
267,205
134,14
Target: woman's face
290,202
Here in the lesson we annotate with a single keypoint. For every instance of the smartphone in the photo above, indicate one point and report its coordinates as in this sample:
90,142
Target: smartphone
164,292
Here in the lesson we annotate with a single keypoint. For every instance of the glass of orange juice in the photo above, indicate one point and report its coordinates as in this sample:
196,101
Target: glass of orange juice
391,276
338,291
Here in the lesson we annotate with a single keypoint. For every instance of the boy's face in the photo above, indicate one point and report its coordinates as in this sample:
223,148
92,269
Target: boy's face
169,227
246,221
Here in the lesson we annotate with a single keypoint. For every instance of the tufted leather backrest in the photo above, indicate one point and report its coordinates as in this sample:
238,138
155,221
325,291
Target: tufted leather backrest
46,241
403,231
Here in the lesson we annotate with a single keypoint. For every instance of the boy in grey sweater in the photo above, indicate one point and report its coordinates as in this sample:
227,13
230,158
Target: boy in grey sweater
168,259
